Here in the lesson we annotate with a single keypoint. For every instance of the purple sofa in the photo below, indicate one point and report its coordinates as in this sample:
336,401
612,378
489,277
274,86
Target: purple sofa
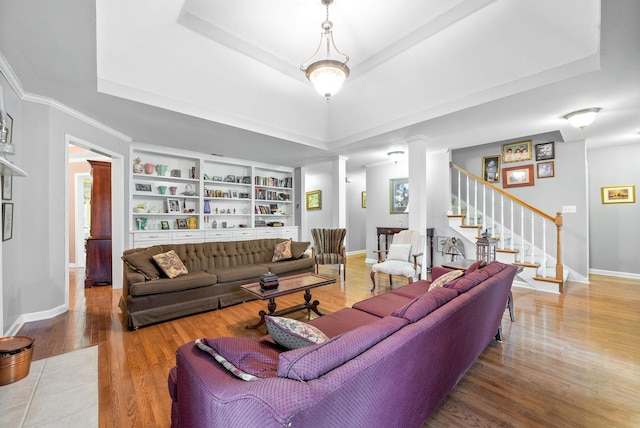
390,361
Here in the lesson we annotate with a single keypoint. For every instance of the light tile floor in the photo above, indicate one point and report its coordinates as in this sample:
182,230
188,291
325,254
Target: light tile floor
60,391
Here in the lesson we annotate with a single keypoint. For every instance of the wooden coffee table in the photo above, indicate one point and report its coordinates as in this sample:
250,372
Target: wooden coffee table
289,285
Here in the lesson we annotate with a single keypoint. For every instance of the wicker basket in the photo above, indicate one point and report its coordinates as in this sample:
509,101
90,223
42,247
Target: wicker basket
15,358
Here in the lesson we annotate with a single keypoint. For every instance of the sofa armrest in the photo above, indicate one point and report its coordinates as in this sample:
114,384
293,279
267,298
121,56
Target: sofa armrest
438,271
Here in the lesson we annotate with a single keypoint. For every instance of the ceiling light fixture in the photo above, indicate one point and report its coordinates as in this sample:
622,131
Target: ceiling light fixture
582,118
326,75
396,155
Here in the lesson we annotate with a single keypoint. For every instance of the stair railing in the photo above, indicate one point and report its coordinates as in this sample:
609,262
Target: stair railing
516,213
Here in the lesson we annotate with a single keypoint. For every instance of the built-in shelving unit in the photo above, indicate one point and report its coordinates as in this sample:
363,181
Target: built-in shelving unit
187,197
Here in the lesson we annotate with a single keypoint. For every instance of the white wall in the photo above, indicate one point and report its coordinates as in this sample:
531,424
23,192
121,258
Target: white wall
356,215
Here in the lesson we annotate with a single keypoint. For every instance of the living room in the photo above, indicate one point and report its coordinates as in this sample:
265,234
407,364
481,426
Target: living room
596,237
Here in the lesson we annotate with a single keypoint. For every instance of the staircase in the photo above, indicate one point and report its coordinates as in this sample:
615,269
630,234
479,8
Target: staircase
523,233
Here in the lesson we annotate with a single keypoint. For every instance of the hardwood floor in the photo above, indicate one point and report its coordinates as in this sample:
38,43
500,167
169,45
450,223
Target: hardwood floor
568,360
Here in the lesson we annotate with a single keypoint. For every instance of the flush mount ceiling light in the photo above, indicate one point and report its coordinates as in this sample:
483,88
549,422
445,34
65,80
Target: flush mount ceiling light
326,75
582,118
396,155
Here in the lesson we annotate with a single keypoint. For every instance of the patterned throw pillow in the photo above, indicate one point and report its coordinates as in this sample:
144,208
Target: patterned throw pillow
442,280
293,334
399,252
282,251
226,364
170,264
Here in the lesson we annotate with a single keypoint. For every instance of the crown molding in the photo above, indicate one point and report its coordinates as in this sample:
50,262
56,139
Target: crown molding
15,84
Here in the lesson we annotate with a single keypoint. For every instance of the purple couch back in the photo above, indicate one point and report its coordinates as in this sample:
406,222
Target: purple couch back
397,382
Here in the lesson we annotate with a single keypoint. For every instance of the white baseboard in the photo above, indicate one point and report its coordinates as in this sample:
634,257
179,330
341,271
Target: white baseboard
615,273
35,316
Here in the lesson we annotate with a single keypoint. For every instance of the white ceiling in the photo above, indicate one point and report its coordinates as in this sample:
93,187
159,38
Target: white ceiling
223,77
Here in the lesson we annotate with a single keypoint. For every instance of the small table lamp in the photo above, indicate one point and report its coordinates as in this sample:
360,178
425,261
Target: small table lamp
486,248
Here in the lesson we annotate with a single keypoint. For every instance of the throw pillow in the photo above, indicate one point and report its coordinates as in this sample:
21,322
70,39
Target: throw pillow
474,267
226,364
298,249
142,262
399,252
442,280
282,251
170,264
293,334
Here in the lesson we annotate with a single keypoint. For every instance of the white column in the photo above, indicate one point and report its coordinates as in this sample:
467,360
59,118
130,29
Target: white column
417,161
339,215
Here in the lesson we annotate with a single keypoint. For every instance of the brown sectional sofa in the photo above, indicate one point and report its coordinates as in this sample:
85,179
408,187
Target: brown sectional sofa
216,272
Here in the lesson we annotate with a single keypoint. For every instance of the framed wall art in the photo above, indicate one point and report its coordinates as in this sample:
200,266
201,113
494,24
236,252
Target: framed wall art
619,194
545,169
142,187
491,169
314,200
545,151
516,152
7,187
7,221
517,176
398,195
363,199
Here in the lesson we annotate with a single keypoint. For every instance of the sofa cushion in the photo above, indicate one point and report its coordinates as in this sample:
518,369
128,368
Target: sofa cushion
444,279
467,282
286,266
171,285
344,320
423,305
282,251
474,267
239,273
314,361
293,334
246,358
399,252
382,305
170,264
142,261
299,248
412,290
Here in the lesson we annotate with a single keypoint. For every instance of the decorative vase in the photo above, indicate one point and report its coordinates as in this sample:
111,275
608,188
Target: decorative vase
207,207
161,169
138,168
148,168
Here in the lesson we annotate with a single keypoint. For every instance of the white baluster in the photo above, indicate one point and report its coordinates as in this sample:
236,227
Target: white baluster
484,207
544,248
459,194
513,229
533,238
468,200
522,234
502,221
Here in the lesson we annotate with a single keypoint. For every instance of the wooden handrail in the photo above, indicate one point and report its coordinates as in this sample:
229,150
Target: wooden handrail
557,220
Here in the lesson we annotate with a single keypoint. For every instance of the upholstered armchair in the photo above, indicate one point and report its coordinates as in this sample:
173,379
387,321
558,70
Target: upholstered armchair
404,257
329,249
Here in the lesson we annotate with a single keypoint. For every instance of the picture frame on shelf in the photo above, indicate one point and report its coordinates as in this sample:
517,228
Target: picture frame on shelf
181,223
491,169
7,221
143,187
164,225
363,199
246,179
173,205
619,194
313,200
545,151
545,169
517,176
398,195
176,173
516,152
7,187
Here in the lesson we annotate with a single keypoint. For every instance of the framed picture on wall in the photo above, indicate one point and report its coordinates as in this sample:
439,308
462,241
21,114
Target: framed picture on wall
7,187
314,200
398,195
545,169
517,176
545,151
7,221
516,152
619,194
491,169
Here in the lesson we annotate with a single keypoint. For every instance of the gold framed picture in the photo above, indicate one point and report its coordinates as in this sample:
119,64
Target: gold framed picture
363,199
619,194
516,152
314,200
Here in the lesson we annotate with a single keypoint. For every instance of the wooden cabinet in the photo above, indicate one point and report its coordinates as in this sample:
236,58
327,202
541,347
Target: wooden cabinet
98,247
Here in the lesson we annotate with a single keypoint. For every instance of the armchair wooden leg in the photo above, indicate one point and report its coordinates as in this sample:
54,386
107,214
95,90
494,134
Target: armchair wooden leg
344,271
373,280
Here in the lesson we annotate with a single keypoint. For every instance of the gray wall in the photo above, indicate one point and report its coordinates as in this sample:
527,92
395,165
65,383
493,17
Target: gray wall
614,230
568,187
